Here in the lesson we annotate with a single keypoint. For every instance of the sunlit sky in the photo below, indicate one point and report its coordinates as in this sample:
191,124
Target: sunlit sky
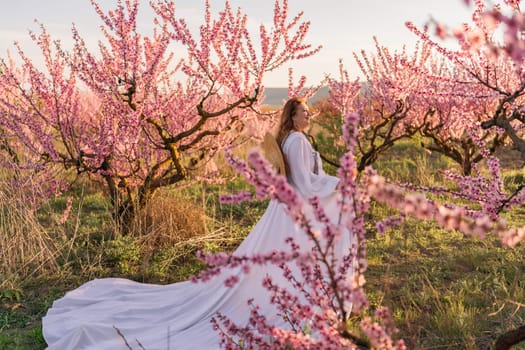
341,26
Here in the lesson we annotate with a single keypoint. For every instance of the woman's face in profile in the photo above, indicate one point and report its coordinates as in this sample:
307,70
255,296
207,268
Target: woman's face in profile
301,118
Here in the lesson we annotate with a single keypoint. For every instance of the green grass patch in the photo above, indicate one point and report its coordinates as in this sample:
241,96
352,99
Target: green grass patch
445,290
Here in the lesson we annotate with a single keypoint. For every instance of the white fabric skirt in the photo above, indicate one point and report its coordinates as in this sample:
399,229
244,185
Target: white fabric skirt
175,316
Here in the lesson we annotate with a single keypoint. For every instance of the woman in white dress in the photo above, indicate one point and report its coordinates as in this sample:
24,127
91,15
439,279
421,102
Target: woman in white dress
116,313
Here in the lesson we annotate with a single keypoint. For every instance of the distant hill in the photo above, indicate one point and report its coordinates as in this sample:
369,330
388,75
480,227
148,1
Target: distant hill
276,96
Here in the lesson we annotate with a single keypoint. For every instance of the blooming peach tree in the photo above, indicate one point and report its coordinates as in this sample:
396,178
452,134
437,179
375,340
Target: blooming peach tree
385,100
485,83
419,92
144,111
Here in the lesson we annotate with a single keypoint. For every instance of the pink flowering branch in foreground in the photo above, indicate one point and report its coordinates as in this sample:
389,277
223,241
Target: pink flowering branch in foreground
320,299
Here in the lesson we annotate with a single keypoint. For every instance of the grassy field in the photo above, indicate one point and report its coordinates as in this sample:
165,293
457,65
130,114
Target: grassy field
446,291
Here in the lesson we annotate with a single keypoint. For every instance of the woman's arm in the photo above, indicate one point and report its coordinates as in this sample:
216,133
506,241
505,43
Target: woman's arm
299,155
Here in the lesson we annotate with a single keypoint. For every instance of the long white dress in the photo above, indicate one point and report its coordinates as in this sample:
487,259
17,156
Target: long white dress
177,316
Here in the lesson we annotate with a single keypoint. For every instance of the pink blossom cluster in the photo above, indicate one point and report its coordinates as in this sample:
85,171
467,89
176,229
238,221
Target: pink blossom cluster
389,222
220,261
381,333
343,91
447,216
235,198
485,194
300,88
267,182
488,190
67,210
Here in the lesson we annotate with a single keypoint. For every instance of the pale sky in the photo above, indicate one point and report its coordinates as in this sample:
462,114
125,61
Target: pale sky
341,26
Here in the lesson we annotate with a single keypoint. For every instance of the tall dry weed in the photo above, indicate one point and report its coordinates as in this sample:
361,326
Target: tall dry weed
26,246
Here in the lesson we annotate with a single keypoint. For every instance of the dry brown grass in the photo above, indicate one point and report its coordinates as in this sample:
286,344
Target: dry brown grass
169,219
26,247
172,228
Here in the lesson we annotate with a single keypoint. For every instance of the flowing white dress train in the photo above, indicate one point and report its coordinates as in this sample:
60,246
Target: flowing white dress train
177,316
